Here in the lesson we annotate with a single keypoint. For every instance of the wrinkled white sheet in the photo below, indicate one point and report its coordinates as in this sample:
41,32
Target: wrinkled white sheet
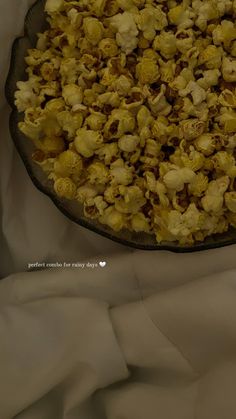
145,337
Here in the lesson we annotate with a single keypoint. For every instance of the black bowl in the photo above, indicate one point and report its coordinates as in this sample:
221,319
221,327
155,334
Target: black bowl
35,22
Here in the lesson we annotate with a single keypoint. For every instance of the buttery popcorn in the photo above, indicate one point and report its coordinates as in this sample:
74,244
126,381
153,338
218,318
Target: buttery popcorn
131,106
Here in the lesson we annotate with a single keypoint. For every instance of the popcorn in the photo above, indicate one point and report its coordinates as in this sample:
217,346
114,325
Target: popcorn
205,143
214,197
181,17
224,33
139,223
72,94
135,119
229,69
211,57
113,218
108,47
128,143
176,178
97,173
70,123
147,71
127,31
166,44
119,123
230,201
192,128
53,6
87,142
26,95
68,163
120,173
131,201
65,188
149,20
93,30
198,93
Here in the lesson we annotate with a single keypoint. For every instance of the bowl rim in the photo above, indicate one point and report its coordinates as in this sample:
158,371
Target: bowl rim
174,248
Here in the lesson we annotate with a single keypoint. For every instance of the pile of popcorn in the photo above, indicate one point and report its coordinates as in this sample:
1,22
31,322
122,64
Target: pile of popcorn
131,105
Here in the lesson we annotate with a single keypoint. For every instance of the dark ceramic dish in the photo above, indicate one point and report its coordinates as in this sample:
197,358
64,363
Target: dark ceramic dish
35,22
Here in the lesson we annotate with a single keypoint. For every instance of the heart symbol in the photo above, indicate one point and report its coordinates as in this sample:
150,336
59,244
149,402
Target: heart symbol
102,264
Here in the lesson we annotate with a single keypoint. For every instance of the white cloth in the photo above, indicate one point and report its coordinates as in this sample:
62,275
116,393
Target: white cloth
145,337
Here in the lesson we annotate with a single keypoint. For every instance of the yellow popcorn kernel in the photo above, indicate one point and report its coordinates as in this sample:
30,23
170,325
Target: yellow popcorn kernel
194,160
32,130
108,77
68,163
108,152
109,98
100,204
180,16
65,188
197,92
149,20
96,121
152,148
132,200
108,47
147,71
70,122
214,198
69,70
176,178
184,40
26,96
158,102
150,181
151,54
231,217
230,201
198,185
51,144
192,128
97,173
126,4
93,30
230,125
55,105
143,43
224,33
205,144
87,142
119,123
122,85
111,193
167,71
229,69
48,71
90,209
144,117
223,161
210,78
120,173
86,191
166,44
72,94
128,143
227,98
52,6
140,223
126,31
111,8
113,218
211,57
